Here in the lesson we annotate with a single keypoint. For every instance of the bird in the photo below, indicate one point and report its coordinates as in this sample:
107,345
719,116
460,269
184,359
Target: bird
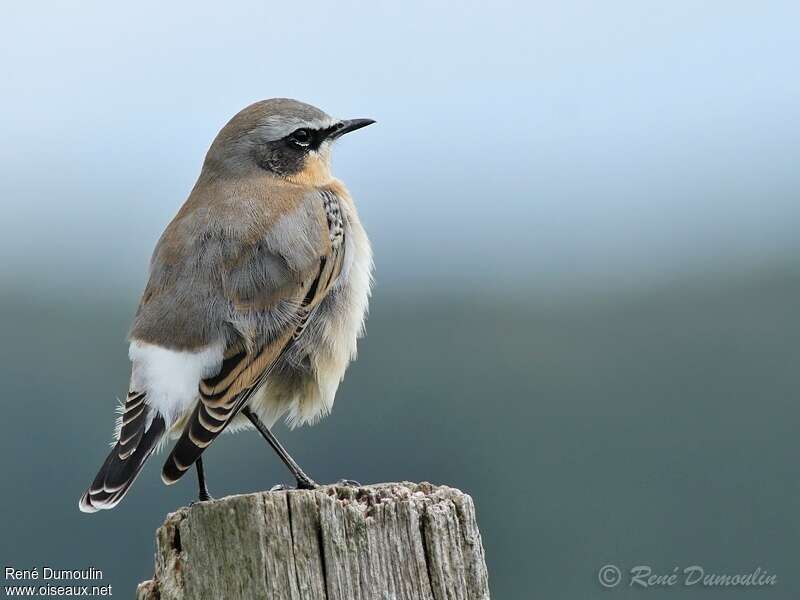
257,293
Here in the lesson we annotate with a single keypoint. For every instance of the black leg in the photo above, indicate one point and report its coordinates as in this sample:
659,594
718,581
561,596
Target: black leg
304,482
202,494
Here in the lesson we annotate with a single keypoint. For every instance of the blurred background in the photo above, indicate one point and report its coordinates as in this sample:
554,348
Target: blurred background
585,220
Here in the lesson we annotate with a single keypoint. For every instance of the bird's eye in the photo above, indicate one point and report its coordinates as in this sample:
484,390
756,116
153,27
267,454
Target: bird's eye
301,137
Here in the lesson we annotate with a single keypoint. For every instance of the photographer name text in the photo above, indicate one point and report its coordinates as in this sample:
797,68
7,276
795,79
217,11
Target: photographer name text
644,576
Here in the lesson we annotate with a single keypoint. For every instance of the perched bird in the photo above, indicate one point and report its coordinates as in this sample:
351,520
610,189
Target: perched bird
257,294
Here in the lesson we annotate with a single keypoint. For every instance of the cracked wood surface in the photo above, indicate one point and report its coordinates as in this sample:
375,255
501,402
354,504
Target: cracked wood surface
389,541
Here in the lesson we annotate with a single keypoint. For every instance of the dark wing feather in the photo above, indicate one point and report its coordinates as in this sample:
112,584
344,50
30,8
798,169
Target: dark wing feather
133,420
136,443
215,411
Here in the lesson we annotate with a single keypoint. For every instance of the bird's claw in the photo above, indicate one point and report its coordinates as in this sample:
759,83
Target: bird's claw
307,484
348,483
300,484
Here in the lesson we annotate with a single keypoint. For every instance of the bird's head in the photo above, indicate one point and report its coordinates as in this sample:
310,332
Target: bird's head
284,137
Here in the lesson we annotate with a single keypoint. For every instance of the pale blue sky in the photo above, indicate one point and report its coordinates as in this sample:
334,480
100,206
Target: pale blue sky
547,144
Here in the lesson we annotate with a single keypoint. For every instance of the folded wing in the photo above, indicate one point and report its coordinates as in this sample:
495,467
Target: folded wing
276,296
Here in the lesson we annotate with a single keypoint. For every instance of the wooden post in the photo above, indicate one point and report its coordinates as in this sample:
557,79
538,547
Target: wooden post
398,541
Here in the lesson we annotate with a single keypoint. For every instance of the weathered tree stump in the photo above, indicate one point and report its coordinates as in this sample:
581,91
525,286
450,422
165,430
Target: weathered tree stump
390,541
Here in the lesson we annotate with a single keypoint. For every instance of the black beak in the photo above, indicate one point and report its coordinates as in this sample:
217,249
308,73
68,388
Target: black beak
347,126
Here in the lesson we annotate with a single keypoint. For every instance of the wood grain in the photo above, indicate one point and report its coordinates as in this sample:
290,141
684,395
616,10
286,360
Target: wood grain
389,541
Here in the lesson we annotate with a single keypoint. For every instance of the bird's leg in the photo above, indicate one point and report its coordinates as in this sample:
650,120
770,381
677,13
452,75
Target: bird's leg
202,494
304,482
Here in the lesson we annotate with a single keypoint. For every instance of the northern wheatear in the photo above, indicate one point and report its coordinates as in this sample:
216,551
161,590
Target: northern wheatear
257,294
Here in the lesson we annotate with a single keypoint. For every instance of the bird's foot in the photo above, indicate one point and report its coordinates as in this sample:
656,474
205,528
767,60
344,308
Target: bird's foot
306,483
202,498
302,483
348,483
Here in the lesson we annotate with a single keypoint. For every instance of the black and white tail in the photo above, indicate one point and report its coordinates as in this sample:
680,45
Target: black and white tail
137,441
